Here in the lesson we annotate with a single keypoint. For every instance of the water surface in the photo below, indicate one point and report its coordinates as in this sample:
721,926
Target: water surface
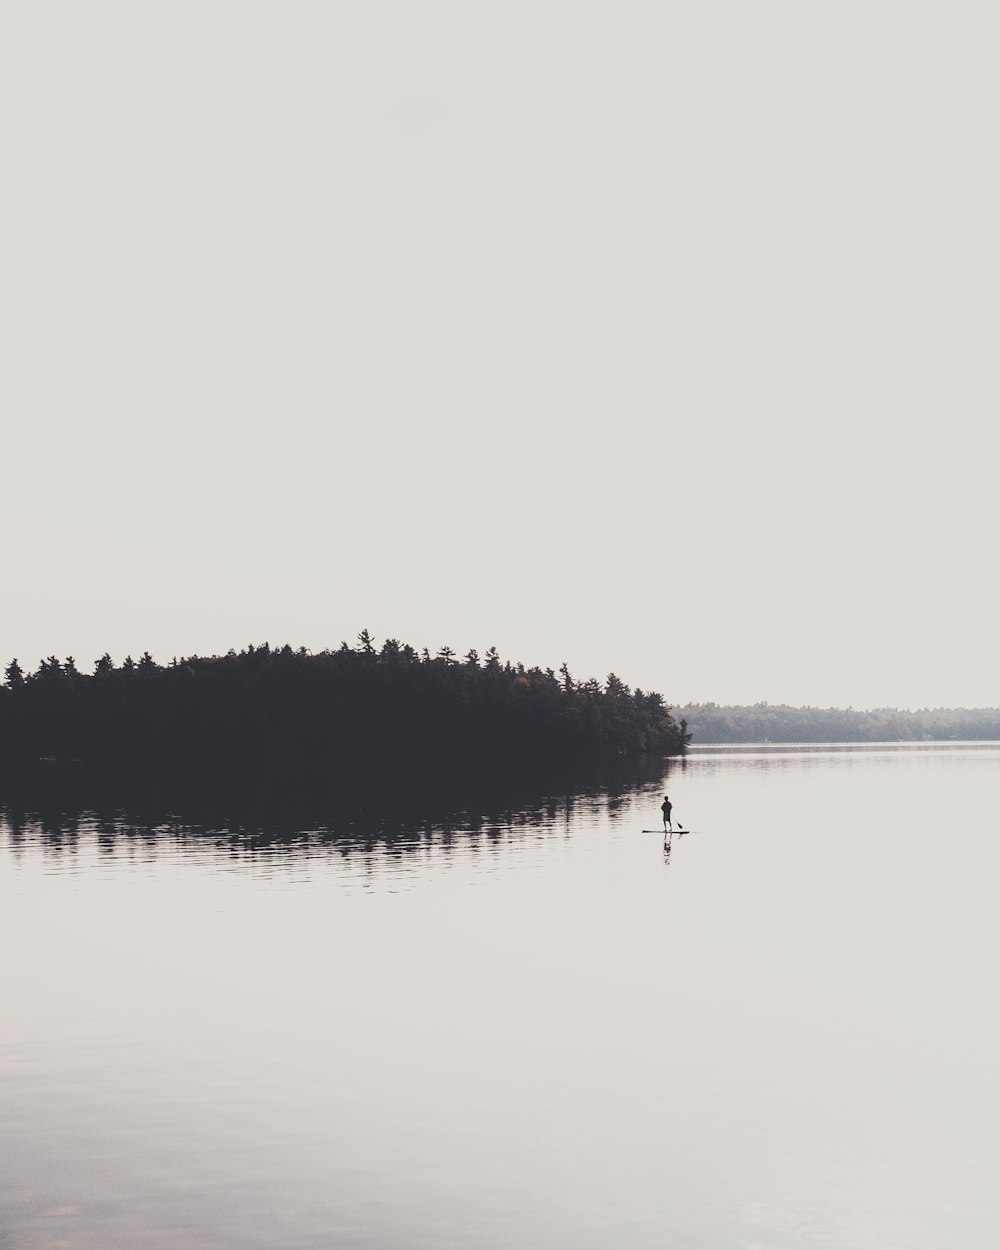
537,1029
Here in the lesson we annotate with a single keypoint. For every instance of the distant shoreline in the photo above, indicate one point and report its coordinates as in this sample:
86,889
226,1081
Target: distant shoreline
779,723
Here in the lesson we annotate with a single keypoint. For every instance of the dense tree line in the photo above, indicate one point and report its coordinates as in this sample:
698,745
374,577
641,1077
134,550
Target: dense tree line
295,717
765,722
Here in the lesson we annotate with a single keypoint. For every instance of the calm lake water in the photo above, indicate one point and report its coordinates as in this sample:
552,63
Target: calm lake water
536,1031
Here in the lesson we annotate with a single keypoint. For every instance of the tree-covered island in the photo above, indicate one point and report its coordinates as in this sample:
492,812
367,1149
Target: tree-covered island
287,717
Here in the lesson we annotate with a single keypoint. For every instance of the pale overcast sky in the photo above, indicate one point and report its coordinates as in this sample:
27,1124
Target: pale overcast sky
657,337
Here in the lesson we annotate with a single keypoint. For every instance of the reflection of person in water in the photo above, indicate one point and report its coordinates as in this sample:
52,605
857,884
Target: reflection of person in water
667,807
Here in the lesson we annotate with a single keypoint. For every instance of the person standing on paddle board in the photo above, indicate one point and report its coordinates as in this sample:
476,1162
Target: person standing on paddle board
667,807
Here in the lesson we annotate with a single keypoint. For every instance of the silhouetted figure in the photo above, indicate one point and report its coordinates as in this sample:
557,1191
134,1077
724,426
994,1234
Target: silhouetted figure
667,807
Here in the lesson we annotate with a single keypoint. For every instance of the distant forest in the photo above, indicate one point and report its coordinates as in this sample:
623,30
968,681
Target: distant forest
337,718
765,722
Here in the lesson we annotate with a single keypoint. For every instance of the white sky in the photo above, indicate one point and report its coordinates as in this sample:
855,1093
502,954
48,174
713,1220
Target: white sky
657,337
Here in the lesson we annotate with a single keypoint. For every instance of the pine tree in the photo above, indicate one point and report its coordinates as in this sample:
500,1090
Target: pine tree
13,675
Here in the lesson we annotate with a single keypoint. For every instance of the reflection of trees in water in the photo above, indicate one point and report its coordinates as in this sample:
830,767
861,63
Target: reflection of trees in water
388,823
819,756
